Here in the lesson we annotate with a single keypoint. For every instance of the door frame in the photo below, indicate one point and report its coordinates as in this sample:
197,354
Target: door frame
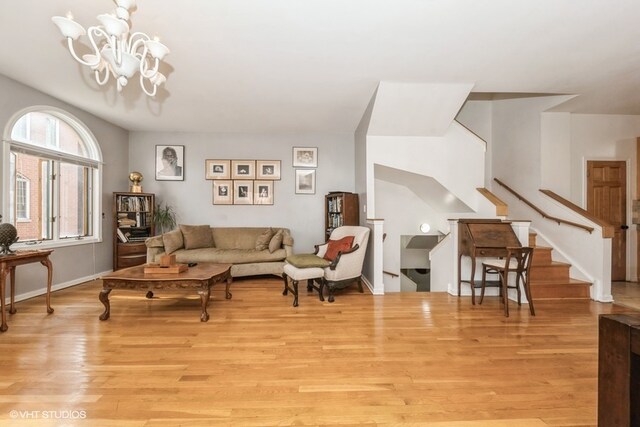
629,200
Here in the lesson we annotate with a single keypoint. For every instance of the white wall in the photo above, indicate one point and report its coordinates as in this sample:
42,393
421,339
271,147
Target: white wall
476,115
192,198
71,264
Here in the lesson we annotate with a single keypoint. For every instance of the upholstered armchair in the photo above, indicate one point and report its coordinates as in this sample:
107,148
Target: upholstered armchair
346,264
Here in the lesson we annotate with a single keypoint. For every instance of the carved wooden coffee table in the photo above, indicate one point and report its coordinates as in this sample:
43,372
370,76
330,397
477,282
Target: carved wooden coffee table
200,277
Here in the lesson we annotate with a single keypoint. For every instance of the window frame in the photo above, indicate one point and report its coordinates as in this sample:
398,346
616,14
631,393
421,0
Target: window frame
93,160
27,198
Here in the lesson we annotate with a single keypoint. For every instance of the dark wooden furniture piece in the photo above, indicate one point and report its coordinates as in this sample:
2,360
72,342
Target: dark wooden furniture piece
518,261
340,209
619,370
133,222
482,238
8,264
200,277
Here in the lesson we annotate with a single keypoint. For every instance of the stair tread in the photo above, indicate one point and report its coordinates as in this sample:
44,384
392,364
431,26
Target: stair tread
559,282
553,264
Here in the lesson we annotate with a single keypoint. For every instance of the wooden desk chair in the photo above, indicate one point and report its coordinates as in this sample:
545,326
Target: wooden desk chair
518,261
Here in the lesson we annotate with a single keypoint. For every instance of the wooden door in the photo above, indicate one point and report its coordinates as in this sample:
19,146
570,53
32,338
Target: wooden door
607,200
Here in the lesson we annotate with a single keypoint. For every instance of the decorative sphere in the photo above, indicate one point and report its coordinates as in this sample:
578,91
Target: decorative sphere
8,234
135,177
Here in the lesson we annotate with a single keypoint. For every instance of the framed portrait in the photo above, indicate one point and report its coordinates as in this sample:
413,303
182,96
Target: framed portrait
222,192
243,169
305,157
169,162
217,169
243,192
262,192
268,169
305,181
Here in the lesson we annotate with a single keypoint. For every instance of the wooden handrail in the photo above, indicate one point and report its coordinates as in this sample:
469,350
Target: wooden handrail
502,209
541,212
607,227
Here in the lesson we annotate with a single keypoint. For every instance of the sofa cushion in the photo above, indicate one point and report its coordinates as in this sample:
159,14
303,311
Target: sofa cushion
307,261
196,236
276,241
228,256
172,241
262,242
335,246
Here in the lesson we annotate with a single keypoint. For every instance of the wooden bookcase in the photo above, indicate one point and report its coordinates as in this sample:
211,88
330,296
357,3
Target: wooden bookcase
340,209
132,225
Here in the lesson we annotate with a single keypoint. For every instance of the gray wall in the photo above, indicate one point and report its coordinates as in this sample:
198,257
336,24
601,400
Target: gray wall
75,262
302,214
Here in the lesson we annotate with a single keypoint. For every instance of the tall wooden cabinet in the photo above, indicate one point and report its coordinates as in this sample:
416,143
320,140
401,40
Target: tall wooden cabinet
132,225
340,209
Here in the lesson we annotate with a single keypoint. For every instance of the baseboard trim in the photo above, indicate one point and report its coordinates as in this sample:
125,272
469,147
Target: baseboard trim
59,286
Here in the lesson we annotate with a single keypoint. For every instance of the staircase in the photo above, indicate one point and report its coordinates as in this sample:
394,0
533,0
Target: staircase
550,279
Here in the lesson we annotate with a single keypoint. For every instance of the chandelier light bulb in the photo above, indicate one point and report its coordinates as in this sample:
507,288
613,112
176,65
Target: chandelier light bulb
116,52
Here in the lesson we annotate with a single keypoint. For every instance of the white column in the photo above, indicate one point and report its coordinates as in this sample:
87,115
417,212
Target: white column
375,283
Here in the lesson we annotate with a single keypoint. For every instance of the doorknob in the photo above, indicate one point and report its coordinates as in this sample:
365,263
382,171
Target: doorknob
624,227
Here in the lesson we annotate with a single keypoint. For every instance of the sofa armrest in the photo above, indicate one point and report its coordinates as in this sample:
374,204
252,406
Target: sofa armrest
155,248
154,242
320,250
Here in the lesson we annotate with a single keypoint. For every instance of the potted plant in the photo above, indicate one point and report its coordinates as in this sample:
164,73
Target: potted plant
164,218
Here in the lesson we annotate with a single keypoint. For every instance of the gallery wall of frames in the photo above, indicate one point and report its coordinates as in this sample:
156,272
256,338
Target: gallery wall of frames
251,182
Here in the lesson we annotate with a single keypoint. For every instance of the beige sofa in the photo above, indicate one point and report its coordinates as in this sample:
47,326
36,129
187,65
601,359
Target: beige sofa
244,247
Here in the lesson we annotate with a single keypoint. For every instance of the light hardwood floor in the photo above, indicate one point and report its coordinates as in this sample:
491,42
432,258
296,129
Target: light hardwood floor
415,359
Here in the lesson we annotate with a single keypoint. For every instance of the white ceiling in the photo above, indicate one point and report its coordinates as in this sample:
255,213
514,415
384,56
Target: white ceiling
313,65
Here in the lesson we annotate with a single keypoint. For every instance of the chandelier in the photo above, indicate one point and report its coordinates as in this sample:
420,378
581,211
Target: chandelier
115,51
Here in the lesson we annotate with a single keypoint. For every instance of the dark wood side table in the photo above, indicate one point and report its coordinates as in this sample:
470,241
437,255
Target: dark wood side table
8,264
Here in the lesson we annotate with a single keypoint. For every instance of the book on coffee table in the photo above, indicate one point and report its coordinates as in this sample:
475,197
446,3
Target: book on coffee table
170,269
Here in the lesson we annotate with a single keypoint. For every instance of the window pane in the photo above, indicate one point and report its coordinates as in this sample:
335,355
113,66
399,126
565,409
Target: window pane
74,209
46,130
28,185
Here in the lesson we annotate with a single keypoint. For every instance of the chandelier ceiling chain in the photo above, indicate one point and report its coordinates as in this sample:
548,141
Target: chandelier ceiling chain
116,51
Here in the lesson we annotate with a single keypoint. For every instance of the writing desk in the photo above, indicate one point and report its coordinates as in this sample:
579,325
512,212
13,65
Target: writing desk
8,264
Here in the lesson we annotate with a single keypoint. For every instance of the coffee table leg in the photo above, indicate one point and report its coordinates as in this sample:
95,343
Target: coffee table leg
104,299
204,299
228,294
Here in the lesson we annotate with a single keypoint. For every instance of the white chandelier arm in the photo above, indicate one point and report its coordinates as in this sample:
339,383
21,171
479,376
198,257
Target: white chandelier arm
136,39
105,79
144,88
77,58
109,40
147,72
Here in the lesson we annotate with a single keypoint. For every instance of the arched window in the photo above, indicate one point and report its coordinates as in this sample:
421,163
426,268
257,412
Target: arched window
54,168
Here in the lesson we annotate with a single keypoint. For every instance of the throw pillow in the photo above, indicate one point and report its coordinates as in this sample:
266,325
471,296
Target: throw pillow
197,236
262,242
335,246
307,261
172,241
276,241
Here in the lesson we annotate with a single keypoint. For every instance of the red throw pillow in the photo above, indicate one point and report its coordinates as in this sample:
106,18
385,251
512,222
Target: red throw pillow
335,246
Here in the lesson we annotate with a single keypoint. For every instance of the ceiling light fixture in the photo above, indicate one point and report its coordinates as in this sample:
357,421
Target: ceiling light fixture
115,51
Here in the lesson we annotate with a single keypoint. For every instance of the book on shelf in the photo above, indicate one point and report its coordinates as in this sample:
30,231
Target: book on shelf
121,236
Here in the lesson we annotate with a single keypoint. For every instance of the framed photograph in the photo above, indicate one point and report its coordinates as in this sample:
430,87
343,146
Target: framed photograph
243,192
305,157
262,192
222,192
243,169
217,169
268,169
169,162
305,181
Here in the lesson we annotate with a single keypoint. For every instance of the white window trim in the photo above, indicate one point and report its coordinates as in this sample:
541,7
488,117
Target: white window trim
95,154
27,199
